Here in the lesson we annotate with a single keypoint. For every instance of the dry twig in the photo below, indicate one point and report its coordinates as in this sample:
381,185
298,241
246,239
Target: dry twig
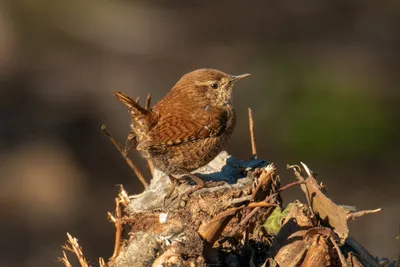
128,160
102,263
339,252
358,214
148,106
73,246
252,137
117,220
266,200
65,260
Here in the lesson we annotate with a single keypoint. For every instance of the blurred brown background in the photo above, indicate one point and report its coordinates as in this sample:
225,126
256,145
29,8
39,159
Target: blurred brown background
324,90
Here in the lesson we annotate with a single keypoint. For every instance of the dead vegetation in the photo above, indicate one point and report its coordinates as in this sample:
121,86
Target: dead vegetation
241,223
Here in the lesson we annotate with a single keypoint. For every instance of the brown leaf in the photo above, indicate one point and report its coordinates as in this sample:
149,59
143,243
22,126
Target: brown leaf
212,230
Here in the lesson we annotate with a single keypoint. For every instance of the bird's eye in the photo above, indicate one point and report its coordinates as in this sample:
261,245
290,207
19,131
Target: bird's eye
214,85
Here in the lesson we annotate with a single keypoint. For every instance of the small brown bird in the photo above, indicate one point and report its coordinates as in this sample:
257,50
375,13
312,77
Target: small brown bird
189,127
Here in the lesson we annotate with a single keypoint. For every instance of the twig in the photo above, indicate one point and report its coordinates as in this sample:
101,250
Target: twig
297,173
148,102
266,200
151,167
296,170
102,263
261,204
248,216
118,227
358,214
253,139
73,246
123,199
128,160
290,185
65,260
339,252
123,196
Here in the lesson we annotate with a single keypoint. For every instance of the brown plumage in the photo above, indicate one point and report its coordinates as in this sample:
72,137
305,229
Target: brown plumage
189,126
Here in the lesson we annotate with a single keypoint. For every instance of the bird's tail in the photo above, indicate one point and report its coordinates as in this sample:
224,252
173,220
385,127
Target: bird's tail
131,104
142,120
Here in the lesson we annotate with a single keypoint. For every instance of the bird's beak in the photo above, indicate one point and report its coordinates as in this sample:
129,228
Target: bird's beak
238,77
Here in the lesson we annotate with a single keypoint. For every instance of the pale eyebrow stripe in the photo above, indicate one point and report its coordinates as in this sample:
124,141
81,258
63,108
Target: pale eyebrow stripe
204,83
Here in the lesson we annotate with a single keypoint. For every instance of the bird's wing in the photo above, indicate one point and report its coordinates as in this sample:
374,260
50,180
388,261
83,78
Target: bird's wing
175,129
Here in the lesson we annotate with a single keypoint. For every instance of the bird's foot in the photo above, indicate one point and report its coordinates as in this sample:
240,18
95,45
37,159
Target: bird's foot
169,198
200,184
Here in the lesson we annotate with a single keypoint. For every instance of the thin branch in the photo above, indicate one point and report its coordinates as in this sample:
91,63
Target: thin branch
118,227
297,173
266,200
128,160
358,214
251,214
65,260
253,139
339,252
122,199
289,185
261,204
102,263
123,196
151,167
73,246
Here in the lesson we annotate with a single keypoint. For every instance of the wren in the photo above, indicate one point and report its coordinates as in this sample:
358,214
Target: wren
189,127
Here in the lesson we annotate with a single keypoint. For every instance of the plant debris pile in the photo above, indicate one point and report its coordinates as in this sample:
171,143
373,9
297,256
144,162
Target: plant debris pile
240,223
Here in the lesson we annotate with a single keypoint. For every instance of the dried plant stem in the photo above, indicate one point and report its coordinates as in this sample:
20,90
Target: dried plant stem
266,200
148,106
128,160
151,167
118,227
73,246
355,215
65,260
252,138
339,252
290,185
101,262
122,199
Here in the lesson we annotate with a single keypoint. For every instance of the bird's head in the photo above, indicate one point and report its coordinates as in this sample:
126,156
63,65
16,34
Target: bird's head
208,85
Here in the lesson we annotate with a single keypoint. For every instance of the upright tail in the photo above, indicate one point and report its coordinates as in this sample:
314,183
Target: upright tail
142,120
131,104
